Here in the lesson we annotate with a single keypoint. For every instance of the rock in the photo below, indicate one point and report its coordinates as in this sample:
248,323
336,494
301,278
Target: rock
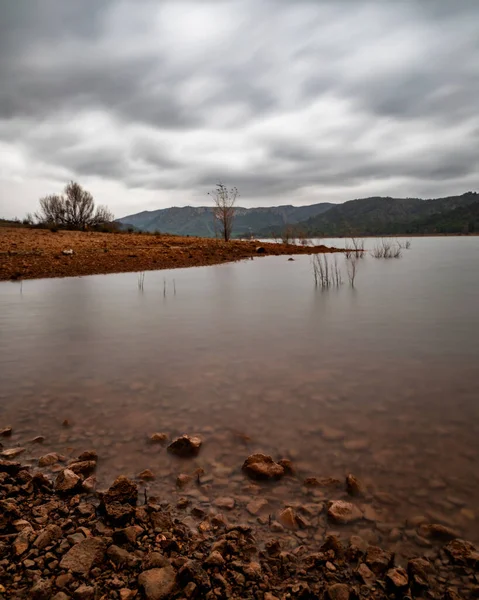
185,446
462,552
118,513
127,594
60,596
12,453
324,482
366,574
67,481
84,592
225,503
397,580
42,590
84,555
287,518
330,434
356,445
123,491
338,591
155,560
215,560
260,250
261,466
378,560
47,536
287,466
84,467
438,532
419,570
343,512
157,583
89,485
48,459
159,438
22,541
67,252
121,558
256,506
146,475
88,455
39,439
6,432
9,467
183,480
353,486
64,580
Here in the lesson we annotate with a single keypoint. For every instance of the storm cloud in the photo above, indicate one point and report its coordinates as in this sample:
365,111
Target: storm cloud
149,103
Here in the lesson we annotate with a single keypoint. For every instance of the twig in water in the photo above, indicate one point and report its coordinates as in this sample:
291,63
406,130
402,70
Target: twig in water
141,280
174,287
164,288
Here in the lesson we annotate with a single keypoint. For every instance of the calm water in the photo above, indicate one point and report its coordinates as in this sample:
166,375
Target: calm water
381,380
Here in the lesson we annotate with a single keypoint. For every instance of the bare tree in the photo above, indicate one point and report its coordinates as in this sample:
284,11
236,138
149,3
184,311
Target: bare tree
352,267
75,209
224,208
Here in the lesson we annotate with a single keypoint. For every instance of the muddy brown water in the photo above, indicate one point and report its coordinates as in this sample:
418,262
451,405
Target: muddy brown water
381,381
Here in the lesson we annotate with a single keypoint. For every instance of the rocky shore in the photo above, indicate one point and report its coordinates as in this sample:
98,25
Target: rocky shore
34,253
60,538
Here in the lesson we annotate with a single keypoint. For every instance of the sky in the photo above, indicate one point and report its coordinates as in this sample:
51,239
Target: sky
149,103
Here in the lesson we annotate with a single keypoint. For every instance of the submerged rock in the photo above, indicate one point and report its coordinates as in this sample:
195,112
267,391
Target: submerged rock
353,486
6,431
185,446
159,438
343,512
262,466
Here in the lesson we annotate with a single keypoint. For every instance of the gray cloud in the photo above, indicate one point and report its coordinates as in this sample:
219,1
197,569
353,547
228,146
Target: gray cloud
149,104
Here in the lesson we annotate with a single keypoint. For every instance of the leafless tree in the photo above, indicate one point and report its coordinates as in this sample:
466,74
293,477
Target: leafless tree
224,208
74,210
352,267
387,249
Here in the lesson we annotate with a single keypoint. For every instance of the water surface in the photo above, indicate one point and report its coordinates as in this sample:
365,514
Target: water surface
380,380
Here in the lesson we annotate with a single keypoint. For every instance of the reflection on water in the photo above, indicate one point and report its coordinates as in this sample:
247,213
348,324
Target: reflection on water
380,380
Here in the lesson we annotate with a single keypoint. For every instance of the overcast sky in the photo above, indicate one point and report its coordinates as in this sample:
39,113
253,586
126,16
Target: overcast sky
148,103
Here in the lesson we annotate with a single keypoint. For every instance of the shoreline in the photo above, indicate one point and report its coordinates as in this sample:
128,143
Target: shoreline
61,539
39,253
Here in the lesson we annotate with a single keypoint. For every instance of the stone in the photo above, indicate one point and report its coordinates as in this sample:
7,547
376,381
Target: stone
260,250
438,532
89,485
12,453
48,460
287,466
255,507
63,580
84,592
287,518
338,591
60,596
118,513
6,432
185,446
183,480
88,455
22,541
419,570
343,512
462,552
330,434
146,475
356,445
353,486
155,560
38,439
83,467
378,560
42,590
324,482
215,560
9,467
366,574
157,584
225,503
261,466
84,555
47,536
67,481
127,594
397,579
123,491
121,557
159,438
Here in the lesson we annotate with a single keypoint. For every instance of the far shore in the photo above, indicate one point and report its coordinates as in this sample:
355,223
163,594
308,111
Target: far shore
40,253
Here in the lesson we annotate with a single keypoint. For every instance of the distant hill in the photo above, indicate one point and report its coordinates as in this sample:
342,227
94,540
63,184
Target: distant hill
198,221
382,216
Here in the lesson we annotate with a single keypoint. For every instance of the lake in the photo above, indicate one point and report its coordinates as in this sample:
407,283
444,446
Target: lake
380,380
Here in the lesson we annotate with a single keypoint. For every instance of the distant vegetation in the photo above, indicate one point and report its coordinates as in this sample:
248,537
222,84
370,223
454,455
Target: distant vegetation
367,216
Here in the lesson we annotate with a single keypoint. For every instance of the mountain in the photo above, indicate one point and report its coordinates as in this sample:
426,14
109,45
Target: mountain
381,216
198,221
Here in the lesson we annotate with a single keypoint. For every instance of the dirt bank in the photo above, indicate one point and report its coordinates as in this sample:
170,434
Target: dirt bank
33,253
